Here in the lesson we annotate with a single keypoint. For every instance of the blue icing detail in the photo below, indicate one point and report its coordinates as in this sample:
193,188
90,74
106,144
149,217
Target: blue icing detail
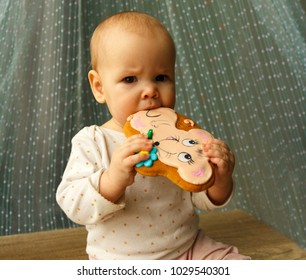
150,160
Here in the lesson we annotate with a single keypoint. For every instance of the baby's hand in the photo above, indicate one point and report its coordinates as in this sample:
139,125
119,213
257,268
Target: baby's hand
126,157
121,172
223,159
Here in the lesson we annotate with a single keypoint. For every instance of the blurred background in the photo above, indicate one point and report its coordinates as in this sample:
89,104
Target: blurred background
241,74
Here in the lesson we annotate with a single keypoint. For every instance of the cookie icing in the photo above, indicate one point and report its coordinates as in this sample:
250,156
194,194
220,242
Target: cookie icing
176,147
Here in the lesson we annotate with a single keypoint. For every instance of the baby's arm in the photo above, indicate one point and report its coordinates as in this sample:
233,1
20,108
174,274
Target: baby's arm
79,191
223,159
121,172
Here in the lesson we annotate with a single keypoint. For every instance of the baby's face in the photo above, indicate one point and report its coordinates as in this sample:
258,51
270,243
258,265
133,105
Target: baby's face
137,73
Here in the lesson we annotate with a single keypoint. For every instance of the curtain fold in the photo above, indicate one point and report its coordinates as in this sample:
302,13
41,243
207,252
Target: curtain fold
241,73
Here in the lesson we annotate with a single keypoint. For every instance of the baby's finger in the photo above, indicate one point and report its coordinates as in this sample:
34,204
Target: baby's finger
136,136
136,158
219,153
222,162
216,143
136,145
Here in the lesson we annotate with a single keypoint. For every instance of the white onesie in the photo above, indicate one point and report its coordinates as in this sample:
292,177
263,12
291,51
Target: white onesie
155,219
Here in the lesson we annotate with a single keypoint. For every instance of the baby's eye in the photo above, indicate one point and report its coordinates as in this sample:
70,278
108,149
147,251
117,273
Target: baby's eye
161,78
130,79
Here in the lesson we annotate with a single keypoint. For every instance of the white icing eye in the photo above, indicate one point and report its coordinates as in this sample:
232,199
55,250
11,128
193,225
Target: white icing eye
189,142
185,157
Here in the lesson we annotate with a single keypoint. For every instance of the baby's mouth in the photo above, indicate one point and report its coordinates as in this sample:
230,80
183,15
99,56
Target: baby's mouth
152,107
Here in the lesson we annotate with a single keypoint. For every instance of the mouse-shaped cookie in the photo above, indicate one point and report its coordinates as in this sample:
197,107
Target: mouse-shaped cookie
177,152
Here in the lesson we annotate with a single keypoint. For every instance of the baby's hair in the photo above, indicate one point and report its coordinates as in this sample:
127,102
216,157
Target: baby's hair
136,22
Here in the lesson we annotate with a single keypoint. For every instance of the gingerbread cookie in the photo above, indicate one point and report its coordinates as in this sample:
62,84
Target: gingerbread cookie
177,153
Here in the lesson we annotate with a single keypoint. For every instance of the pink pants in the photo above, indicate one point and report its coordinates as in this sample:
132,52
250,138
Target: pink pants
204,248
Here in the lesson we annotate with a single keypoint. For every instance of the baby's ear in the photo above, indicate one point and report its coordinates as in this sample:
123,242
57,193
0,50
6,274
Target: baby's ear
96,86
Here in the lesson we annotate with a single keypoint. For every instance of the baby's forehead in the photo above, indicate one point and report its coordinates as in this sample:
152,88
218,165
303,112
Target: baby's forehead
111,30
115,33
143,31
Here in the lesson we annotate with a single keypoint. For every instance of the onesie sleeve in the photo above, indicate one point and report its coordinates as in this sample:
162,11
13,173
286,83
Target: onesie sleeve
202,201
78,194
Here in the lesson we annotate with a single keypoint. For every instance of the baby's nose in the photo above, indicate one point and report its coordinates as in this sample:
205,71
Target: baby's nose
150,91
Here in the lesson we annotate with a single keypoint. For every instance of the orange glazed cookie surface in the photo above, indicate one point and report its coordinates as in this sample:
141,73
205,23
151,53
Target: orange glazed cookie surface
178,146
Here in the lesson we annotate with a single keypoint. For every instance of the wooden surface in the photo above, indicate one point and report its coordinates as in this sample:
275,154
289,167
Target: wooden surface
252,237
236,227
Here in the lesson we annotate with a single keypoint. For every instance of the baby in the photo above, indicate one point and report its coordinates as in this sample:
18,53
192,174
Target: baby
127,215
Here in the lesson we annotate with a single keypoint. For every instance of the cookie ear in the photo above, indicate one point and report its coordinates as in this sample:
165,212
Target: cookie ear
201,135
138,122
199,173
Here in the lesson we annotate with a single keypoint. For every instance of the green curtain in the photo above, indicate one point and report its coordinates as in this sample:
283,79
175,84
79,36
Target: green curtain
241,73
